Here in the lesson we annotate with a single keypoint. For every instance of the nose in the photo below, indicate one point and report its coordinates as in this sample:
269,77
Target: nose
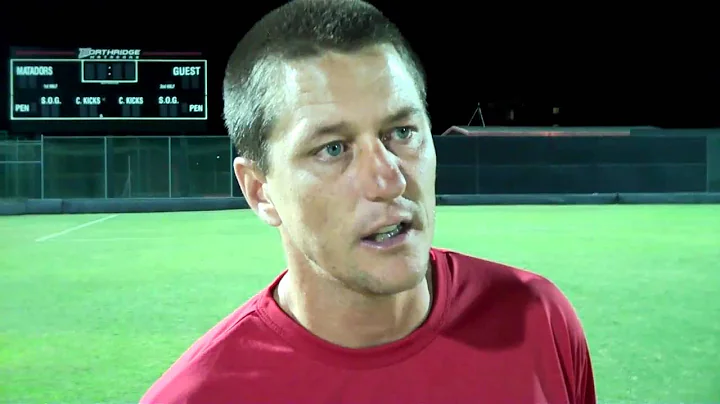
380,176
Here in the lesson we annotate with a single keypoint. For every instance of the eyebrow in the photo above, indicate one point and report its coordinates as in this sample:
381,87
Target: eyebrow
334,128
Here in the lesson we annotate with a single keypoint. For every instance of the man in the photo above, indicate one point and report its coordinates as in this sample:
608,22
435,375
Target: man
326,105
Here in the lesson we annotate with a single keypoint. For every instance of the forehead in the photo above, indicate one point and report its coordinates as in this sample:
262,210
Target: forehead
359,89
376,72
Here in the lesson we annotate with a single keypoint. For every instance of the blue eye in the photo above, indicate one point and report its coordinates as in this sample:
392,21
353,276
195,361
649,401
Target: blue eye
334,149
403,132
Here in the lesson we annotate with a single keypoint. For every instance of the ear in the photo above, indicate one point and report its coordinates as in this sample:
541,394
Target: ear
256,190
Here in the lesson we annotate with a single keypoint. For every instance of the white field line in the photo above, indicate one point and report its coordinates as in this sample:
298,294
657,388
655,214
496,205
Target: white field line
111,239
78,227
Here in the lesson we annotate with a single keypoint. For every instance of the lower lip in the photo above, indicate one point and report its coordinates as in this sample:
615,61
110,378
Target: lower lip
389,244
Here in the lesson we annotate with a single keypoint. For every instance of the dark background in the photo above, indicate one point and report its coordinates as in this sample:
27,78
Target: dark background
603,66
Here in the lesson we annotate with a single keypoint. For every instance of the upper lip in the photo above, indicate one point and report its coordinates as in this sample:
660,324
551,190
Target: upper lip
390,221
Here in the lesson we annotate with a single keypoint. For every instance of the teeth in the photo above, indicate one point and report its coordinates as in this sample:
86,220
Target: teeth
387,229
387,233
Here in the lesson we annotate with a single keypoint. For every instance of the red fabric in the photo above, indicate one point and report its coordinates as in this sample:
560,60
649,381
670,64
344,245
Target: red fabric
495,334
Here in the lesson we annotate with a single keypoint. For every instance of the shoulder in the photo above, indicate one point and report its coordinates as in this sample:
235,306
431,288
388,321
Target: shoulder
519,306
506,288
185,380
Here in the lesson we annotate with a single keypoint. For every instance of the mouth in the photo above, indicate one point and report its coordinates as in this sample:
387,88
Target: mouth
388,236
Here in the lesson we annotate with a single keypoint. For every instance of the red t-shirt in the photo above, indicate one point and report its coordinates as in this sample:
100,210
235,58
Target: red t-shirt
495,334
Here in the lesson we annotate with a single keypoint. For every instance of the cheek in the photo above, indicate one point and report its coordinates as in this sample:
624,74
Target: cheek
425,168
315,210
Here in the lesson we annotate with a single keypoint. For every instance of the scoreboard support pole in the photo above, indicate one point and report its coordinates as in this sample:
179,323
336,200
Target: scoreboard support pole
105,162
232,170
42,166
170,184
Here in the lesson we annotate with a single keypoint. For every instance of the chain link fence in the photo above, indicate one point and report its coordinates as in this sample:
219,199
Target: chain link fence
117,167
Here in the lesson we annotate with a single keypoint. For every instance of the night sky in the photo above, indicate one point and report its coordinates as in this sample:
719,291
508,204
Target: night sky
601,67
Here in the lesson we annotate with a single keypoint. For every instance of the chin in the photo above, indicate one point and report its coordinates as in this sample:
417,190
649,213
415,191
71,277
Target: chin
393,274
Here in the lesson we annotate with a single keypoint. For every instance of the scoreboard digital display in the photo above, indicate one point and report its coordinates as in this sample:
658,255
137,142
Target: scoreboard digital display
90,89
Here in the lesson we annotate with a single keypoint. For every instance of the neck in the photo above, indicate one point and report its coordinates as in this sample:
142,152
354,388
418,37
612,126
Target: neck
350,319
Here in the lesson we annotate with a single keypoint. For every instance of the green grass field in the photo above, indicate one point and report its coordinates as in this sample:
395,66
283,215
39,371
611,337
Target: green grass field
97,313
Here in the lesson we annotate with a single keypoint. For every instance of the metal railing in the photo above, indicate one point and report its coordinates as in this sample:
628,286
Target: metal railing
177,167
117,167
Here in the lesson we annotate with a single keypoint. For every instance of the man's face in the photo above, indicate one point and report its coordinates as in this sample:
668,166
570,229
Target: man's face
353,155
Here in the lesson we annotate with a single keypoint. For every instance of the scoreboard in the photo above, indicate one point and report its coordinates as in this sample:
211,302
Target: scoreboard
109,90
